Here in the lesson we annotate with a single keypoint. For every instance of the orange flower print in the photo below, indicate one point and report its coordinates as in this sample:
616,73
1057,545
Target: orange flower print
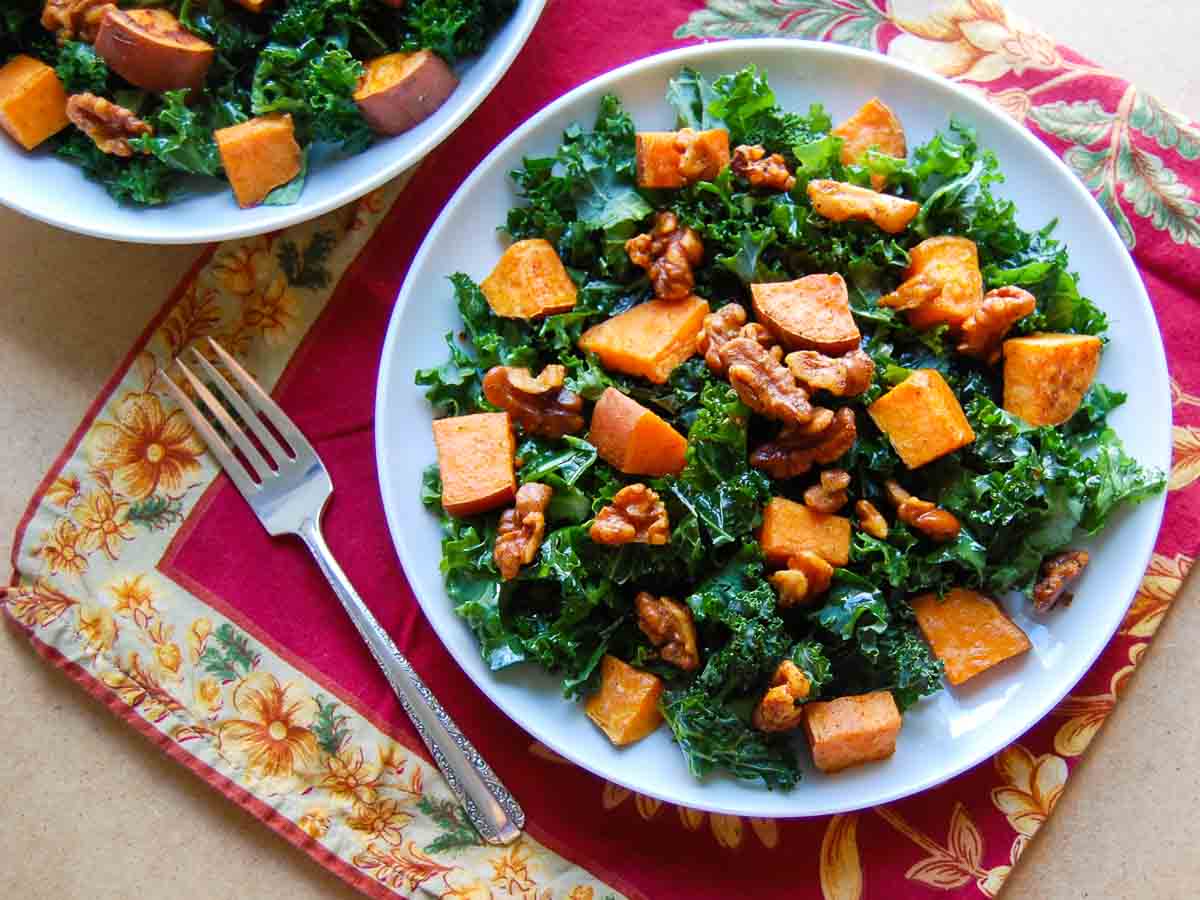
103,523
208,697
37,604
1163,579
477,891
382,819
1014,102
1031,789
133,596
273,738
243,269
315,823
1185,462
63,490
59,549
973,40
97,627
350,779
730,830
273,312
841,871
510,870
198,638
168,656
581,892
1085,715
146,448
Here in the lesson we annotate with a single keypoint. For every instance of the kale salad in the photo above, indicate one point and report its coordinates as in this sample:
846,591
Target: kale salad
753,421
144,95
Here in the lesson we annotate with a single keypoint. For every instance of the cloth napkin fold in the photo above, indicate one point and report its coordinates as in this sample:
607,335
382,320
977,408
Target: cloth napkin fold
143,575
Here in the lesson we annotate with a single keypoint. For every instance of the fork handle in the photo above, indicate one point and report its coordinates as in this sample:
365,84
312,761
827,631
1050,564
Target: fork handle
493,811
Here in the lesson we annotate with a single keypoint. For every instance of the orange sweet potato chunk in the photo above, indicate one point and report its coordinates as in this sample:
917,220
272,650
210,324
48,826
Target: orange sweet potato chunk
876,127
1046,375
151,49
922,418
810,313
475,458
660,159
789,527
850,731
401,90
529,281
33,104
633,439
626,706
839,201
968,632
649,340
259,155
942,286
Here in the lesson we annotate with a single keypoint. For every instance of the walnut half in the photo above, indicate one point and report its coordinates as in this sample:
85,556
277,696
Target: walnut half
936,523
539,405
797,449
670,627
668,253
808,575
752,163
1057,573
636,515
829,494
780,709
723,326
984,330
109,125
75,19
763,383
871,520
522,529
842,376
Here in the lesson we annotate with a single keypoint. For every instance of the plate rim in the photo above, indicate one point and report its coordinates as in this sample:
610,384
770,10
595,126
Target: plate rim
681,56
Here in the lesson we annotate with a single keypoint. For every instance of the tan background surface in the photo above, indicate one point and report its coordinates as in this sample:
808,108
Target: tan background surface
90,809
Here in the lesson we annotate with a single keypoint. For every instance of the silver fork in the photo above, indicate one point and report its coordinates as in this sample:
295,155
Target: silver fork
289,493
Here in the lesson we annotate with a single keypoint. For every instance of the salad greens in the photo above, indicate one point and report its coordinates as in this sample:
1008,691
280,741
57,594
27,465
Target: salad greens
1019,492
302,57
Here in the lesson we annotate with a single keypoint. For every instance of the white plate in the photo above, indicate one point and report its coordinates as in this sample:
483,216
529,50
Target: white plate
45,187
943,735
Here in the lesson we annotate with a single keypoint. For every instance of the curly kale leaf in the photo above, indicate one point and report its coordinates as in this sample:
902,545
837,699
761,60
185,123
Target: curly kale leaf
145,181
182,138
453,28
745,103
80,70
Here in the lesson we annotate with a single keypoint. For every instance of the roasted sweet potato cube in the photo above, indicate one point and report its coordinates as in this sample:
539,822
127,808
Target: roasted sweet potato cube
649,340
259,155
149,48
633,439
873,127
254,6
810,313
1046,375
850,731
789,528
529,281
661,161
401,90
475,458
942,286
968,632
839,201
626,706
922,418
33,104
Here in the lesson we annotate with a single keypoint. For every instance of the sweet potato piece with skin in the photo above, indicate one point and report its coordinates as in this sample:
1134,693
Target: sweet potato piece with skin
401,90
626,706
1046,375
259,155
922,418
790,528
968,632
633,439
942,286
529,281
649,340
33,104
838,201
149,48
850,731
810,313
875,127
475,459
660,158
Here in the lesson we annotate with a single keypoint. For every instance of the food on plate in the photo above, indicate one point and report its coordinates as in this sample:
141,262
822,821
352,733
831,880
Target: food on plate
259,155
840,202
345,73
761,484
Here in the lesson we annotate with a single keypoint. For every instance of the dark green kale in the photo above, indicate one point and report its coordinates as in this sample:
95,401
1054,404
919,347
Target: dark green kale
453,29
80,70
144,181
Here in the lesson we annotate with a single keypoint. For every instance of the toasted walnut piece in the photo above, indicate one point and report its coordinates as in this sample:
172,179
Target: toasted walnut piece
724,325
668,253
762,171
522,529
791,587
763,383
780,709
984,330
1057,573
829,495
539,405
796,450
871,520
75,19
109,125
927,517
670,627
842,376
635,516
808,575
